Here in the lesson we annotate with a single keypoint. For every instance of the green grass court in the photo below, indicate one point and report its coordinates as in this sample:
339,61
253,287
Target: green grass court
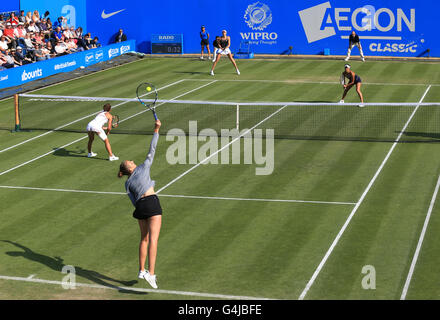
341,204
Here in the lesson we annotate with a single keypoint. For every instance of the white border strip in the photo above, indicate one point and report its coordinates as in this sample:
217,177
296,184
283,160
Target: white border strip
114,287
364,194
419,244
181,196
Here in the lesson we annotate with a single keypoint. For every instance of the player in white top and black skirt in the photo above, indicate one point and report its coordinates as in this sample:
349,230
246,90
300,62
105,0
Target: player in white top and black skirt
97,126
353,40
225,42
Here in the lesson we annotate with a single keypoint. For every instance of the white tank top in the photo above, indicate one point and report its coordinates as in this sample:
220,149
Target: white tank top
100,120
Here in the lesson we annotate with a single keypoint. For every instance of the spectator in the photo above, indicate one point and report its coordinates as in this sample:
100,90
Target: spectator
20,31
10,35
95,43
33,27
120,36
36,17
22,17
10,61
49,49
20,57
4,43
60,23
29,46
39,54
79,32
49,24
61,48
57,34
42,25
88,41
71,45
13,20
28,17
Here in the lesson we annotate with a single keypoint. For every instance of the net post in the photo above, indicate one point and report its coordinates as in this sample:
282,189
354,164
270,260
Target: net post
237,123
17,114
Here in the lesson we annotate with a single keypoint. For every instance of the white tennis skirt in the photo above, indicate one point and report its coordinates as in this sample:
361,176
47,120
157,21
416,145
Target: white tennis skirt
224,52
99,131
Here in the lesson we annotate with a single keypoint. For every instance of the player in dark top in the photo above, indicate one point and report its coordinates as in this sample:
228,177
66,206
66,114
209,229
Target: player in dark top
353,40
353,80
204,36
216,45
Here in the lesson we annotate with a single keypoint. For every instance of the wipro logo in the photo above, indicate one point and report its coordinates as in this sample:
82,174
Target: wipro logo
322,21
31,75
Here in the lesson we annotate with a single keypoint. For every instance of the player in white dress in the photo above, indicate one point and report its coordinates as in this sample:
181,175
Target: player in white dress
97,126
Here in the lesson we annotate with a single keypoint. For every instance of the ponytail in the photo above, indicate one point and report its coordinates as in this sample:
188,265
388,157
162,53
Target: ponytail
123,171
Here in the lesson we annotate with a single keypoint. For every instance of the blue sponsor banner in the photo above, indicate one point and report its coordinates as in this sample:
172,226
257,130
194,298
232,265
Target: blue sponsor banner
386,28
7,6
17,76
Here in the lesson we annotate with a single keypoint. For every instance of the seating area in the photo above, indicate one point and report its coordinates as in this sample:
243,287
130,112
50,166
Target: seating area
32,37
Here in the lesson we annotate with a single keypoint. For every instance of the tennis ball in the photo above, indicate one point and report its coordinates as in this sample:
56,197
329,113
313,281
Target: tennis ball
148,88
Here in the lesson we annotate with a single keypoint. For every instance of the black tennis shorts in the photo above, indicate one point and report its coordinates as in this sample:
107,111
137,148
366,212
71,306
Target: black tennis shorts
147,207
204,42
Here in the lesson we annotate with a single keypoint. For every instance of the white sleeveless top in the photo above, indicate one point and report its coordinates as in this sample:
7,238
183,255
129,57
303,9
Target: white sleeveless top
99,121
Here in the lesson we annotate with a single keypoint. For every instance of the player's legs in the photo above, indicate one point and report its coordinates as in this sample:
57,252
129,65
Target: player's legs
346,91
108,147
360,50
143,244
358,90
154,224
349,51
232,60
91,135
202,51
215,63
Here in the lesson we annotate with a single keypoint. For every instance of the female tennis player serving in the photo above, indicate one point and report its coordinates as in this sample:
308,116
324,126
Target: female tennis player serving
140,190
97,126
225,43
353,80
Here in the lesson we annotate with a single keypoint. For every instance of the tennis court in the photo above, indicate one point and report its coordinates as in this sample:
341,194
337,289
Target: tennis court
350,187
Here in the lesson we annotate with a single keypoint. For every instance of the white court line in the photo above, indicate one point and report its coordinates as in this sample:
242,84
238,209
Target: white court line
66,145
114,287
419,244
313,82
77,120
224,147
364,194
181,196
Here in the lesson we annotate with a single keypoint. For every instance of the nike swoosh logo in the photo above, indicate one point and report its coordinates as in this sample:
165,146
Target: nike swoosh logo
108,15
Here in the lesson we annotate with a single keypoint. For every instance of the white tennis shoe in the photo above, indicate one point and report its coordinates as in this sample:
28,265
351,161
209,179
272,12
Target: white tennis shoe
212,73
141,274
113,158
91,155
238,72
342,101
151,279
361,105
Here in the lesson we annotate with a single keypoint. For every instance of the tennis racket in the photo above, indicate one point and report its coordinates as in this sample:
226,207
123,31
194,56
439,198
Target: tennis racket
115,121
144,89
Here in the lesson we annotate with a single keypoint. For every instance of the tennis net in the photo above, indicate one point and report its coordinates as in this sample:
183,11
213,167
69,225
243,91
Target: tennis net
407,122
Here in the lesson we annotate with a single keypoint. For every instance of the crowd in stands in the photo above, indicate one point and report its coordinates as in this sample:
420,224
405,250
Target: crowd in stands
28,38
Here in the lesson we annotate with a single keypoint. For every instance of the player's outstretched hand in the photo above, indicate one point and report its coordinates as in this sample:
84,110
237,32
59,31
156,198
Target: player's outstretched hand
157,125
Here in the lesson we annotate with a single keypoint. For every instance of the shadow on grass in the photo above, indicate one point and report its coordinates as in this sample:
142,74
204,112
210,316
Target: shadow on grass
56,264
73,153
